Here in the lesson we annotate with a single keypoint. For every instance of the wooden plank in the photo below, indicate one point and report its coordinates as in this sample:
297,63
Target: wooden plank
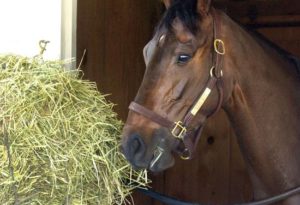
114,33
271,21
243,8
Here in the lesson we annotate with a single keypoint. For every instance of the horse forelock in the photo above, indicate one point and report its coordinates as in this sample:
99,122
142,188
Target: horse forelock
185,11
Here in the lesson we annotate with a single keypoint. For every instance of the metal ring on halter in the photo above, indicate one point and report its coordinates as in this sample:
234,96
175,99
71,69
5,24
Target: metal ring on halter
213,74
186,154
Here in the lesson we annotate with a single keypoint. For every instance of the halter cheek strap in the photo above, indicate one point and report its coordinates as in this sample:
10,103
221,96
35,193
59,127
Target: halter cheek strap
190,128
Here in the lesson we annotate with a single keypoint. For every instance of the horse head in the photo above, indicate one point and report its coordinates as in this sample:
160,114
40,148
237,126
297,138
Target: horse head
182,86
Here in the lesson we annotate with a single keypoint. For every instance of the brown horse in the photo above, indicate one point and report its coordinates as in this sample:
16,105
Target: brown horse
198,61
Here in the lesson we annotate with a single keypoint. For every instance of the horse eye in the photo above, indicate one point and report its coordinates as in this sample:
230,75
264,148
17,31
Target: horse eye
183,58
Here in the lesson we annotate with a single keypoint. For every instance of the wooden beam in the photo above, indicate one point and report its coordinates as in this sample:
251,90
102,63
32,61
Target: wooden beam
272,21
243,8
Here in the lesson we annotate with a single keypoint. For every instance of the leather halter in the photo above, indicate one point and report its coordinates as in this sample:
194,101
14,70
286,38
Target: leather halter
189,130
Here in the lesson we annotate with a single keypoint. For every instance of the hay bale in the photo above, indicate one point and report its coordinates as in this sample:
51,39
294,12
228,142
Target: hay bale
59,138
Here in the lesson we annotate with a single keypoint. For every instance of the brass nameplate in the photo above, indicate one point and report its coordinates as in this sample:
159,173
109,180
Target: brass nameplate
201,101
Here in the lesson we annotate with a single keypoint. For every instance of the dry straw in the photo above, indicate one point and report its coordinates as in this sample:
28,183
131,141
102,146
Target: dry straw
59,138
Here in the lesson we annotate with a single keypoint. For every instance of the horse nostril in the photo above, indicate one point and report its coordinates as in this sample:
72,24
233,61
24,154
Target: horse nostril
136,146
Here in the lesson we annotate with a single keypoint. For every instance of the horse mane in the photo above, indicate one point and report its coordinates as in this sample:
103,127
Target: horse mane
185,11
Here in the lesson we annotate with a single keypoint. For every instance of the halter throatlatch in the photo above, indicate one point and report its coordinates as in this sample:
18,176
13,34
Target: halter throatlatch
187,130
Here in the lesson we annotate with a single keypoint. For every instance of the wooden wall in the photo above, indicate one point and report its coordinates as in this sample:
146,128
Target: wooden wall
114,33
257,8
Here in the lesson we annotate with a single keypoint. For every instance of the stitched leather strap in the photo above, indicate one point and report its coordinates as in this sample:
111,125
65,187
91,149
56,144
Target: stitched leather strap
195,124
151,115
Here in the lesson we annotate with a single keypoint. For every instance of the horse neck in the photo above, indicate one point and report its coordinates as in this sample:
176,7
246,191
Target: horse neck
263,109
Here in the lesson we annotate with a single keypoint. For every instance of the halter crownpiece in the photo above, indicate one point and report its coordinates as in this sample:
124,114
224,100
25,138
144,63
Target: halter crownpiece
184,130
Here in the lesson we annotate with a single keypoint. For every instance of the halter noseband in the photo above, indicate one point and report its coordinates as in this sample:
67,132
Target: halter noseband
186,130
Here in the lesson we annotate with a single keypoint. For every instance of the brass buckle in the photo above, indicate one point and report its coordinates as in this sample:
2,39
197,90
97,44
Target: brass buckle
179,130
219,42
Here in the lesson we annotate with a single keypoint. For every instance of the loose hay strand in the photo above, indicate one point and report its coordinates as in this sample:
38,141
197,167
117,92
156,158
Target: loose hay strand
60,137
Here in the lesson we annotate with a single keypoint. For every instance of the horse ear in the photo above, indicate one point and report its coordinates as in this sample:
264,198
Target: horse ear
204,6
167,3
